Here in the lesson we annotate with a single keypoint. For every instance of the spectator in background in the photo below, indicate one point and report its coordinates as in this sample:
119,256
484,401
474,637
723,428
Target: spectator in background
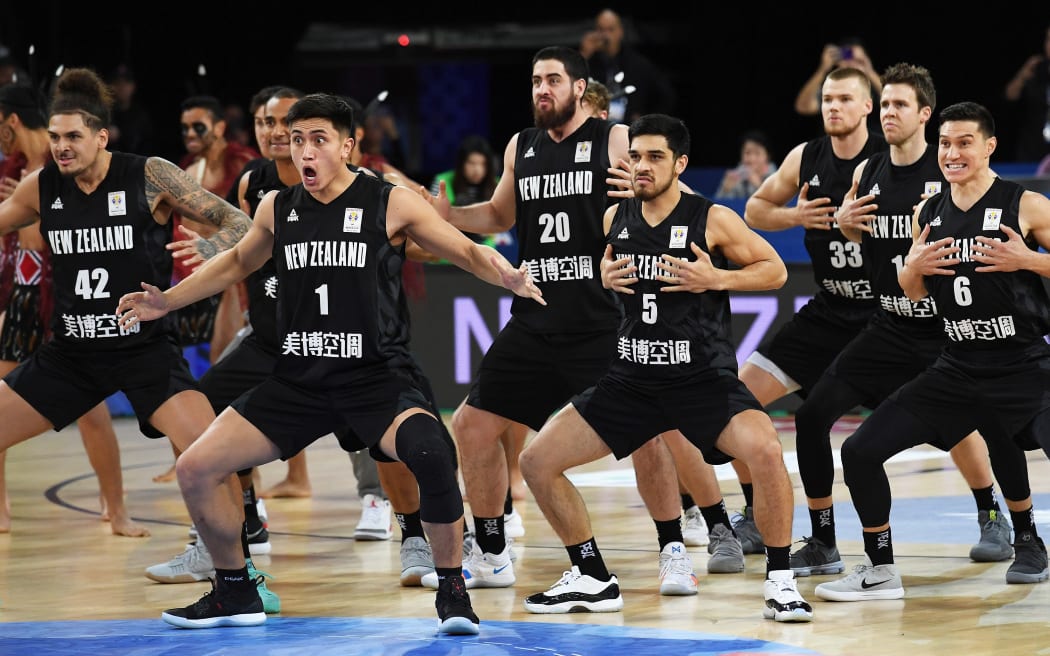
10,71
132,127
608,56
849,52
1030,89
756,164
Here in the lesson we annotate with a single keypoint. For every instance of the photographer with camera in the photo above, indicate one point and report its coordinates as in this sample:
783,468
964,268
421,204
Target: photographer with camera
848,52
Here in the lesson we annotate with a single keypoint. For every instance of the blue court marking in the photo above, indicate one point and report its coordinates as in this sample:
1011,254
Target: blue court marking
368,636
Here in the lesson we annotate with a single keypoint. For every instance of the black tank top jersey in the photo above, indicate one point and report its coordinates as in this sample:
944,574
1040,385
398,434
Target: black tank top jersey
668,335
985,311
561,197
838,265
262,283
898,189
103,245
340,314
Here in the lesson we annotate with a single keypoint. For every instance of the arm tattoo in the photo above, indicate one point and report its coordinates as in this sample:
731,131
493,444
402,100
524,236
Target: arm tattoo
166,181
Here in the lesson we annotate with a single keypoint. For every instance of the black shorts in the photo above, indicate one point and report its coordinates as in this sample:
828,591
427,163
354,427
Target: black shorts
196,321
239,370
23,330
628,413
1000,397
294,417
883,357
805,346
526,376
63,383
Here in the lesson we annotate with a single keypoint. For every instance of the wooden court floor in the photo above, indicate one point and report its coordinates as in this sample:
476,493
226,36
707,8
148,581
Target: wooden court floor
60,562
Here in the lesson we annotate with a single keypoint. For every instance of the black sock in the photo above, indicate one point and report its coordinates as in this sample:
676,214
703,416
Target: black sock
749,494
251,511
489,533
411,525
669,531
716,514
508,504
587,557
1024,522
777,558
445,572
235,582
879,547
687,501
985,498
244,541
823,521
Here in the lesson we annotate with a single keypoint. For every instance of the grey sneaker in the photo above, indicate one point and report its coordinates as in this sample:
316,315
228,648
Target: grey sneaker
192,565
994,544
816,558
747,532
1030,565
727,556
866,582
417,560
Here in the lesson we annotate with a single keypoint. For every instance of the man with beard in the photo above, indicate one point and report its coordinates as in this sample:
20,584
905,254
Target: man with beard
554,189
674,369
819,172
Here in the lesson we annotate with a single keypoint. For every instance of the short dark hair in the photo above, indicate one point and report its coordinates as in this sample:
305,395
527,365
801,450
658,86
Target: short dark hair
970,111
209,103
918,78
326,106
575,64
25,101
673,129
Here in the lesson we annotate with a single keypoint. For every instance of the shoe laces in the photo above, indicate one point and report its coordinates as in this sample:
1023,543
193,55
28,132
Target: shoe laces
568,577
675,565
191,555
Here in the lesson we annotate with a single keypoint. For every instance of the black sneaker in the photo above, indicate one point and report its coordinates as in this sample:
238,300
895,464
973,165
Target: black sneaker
259,540
1030,561
453,607
215,610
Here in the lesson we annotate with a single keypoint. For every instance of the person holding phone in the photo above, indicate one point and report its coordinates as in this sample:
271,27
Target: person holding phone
848,52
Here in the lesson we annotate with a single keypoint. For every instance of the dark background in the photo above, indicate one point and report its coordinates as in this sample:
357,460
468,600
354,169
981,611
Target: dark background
738,70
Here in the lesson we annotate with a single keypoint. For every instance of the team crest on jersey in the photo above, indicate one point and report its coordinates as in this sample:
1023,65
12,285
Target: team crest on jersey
583,151
57,204
678,236
352,219
931,188
815,181
992,216
875,190
118,205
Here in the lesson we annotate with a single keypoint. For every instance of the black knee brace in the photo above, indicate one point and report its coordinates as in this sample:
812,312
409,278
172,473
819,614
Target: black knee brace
420,446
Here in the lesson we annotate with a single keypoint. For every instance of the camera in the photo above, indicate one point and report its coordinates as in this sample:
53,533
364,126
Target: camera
846,52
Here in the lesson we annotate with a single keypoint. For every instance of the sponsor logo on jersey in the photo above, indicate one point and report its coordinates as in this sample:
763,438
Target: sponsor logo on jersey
936,222
875,190
57,204
992,216
623,234
815,181
529,153
292,216
352,219
583,151
118,205
678,236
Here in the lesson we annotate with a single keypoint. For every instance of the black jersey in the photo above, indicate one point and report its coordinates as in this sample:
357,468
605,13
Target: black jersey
897,190
668,335
262,283
561,197
992,310
103,245
340,314
838,265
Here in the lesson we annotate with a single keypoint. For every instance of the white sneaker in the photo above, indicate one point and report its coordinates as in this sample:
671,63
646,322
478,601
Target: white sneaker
513,527
260,508
784,603
694,529
676,571
575,592
192,565
375,519
482,570
866,582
